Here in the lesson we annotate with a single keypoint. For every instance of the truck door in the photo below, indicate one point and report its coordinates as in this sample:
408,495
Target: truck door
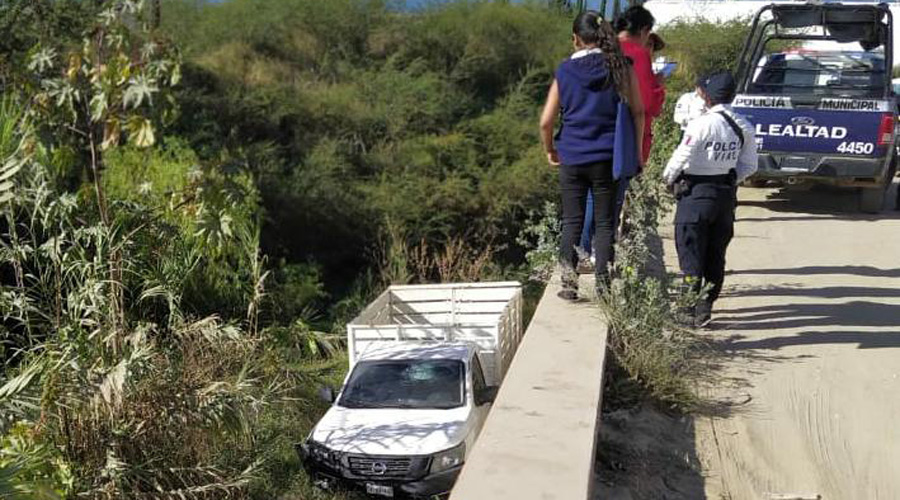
479,413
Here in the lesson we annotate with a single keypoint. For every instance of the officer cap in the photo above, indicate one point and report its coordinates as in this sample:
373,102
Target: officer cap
720,87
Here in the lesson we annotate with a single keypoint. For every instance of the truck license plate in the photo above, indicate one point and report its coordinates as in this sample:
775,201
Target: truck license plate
380,490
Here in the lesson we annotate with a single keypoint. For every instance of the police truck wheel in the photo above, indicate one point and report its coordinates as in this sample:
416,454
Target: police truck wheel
871,200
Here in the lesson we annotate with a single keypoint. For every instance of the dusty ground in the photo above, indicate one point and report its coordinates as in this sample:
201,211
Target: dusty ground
647,454
807,394
810,330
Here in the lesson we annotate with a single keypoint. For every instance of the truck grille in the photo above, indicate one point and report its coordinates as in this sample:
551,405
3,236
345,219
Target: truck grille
380,466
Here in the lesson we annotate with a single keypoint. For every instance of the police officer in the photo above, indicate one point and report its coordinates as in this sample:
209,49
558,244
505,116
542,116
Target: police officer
689,107
717,152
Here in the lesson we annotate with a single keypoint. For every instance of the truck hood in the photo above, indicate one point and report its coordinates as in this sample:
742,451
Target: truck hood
392,431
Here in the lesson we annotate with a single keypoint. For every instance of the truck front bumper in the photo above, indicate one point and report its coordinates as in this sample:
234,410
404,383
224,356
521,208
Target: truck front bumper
834,170
327,475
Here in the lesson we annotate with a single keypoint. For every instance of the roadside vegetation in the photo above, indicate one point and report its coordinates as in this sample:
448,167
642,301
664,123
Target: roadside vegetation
193,205
654,359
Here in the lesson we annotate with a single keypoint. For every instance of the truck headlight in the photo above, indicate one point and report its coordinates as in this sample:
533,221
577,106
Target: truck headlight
321,453
449,459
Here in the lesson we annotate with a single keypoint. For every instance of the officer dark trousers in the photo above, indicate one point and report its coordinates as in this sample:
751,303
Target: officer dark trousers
704,226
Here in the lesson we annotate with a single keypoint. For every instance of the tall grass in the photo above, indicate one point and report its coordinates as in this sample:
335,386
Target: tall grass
158,402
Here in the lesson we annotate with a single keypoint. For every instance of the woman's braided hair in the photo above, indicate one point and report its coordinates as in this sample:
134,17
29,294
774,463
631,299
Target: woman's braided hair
591,28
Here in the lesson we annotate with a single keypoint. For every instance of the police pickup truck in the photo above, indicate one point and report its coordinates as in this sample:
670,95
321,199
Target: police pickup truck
815,80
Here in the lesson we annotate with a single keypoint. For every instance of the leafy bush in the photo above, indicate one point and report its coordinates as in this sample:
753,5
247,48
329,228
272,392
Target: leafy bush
644,336
135,363
720,50
350,114
540,235
30,469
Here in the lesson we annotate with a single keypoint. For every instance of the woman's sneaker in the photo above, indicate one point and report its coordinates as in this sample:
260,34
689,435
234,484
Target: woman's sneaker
585,266
569,283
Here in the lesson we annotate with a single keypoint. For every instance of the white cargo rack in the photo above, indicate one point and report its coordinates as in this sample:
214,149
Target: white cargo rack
488,315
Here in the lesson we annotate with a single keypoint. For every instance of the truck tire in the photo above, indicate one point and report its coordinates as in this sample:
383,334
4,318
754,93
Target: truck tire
871,200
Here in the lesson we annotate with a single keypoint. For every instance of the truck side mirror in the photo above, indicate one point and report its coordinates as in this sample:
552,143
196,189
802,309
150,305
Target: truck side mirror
486,395
326,394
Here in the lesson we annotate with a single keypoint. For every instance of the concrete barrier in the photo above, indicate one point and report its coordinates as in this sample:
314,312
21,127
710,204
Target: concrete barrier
539,441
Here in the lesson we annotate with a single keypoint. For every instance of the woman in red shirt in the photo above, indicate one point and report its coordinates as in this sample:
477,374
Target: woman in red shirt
634,27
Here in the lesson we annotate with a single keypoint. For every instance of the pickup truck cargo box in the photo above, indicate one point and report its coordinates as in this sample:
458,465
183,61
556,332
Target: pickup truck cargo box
488,315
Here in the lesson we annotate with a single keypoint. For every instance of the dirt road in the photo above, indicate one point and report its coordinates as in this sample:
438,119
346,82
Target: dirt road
810,324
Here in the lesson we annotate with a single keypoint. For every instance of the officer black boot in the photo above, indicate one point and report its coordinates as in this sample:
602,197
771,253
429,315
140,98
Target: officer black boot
686,315
602,284
703,313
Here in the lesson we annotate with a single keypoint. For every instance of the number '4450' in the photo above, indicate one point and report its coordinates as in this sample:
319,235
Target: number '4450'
856,148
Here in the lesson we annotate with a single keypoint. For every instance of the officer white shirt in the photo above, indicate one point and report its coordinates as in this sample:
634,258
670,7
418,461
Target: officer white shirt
711,147
689,107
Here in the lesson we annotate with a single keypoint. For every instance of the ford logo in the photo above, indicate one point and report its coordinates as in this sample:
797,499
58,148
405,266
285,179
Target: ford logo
803,120
379,468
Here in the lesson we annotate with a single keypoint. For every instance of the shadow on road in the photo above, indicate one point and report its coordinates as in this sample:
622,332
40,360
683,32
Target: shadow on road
829,292
867,271
863,340
819,203
777,317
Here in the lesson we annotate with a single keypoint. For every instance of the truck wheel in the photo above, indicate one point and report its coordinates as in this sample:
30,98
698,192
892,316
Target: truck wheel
871,200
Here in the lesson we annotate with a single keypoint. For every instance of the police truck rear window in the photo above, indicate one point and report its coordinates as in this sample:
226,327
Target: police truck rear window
837,73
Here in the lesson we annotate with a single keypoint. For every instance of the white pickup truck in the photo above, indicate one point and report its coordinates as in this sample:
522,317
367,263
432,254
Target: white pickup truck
425,365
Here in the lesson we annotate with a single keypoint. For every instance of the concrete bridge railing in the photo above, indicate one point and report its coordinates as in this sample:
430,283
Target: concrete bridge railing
539,442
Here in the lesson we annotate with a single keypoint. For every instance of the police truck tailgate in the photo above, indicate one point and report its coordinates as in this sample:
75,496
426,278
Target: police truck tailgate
826,126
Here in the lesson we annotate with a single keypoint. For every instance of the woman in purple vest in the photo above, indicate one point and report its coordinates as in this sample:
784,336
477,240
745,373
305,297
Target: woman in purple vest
586,95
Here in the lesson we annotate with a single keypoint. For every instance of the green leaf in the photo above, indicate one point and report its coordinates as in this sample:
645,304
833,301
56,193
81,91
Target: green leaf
7,170
99,105
42,60
108,16
22,381
140,89
111,134
132,6
142,133
175,77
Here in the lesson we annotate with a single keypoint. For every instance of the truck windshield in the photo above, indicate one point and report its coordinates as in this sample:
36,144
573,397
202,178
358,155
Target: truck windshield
828,73
421,384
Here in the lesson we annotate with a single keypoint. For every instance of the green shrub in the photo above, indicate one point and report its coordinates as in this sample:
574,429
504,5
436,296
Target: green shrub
540,235
351,114
154,177
644,336
31,469
720,49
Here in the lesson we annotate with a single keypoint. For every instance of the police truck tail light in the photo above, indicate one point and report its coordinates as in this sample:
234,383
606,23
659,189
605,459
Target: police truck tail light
886,130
